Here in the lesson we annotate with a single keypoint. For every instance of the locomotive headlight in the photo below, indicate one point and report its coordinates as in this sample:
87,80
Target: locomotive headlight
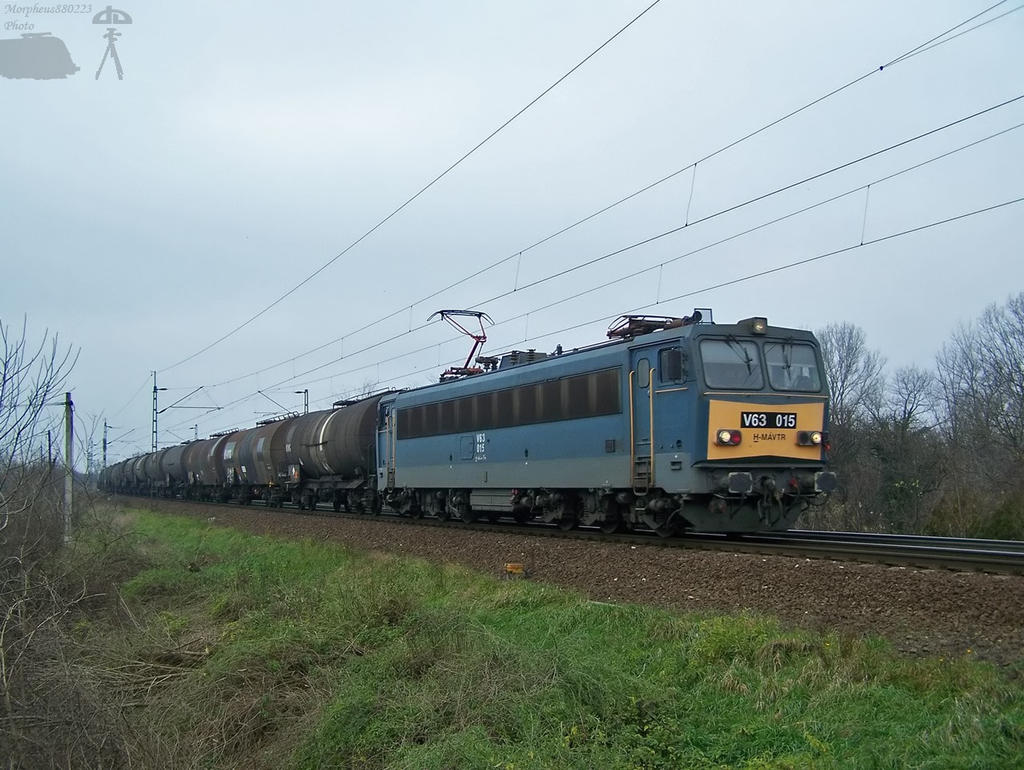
727,437
815,437
757,325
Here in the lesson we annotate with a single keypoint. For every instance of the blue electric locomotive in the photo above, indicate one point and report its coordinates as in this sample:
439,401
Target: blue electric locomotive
674,424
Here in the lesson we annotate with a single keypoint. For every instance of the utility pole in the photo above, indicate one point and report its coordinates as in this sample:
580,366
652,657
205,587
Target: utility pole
155,411
69,464
195,432
105,429
305,399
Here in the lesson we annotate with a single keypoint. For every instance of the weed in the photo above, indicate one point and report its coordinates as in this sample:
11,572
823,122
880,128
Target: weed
271,653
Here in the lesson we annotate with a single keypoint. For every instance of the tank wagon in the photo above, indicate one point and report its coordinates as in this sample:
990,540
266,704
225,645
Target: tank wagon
673,424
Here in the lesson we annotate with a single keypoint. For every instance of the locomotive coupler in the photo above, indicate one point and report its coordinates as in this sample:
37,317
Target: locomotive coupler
770,509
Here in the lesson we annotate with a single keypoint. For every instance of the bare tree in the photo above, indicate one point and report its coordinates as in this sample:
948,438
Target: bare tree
909,402
1001,341
908,450
981,373
981,391
853,370
854,374
32,377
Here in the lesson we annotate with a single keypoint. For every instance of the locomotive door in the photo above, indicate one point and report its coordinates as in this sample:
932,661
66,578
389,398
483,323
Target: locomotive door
388,425
641,420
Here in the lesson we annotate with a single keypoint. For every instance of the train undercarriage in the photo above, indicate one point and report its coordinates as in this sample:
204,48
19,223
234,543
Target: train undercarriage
740,501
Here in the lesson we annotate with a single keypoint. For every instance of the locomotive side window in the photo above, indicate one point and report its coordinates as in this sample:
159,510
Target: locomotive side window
484,404
414,424
447,418
551,401
464,415
527,397
582,395
732,363
792,366
670,365
431,418
576,395
504,408
643,373
606,392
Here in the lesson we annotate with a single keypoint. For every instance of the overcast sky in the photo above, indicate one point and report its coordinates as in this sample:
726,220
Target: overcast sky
250,143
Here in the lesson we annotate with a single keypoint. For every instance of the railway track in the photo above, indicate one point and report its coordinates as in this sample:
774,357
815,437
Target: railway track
921,551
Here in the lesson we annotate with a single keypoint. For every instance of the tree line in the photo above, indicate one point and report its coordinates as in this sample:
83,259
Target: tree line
937,450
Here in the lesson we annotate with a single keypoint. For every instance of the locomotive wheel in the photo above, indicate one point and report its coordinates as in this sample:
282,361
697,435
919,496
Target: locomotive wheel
468,515
611,524
567,522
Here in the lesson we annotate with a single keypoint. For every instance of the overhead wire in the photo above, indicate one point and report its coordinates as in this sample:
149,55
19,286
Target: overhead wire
650,268
933,42
789,265
763,225
970,29
671,231
761,197
657,236
420,192
942,38
759,274
132,399
871,242
734,236
927,45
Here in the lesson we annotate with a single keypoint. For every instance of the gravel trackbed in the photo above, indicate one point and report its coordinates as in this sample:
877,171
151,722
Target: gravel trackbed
929,612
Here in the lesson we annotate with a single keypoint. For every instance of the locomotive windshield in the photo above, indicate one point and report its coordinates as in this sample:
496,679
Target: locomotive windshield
792,366
737,364
732,363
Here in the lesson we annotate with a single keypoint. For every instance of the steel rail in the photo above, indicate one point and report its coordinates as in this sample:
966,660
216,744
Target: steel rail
921,551
978,544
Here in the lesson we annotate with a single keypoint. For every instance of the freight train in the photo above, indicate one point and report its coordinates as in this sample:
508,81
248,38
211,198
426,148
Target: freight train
671,425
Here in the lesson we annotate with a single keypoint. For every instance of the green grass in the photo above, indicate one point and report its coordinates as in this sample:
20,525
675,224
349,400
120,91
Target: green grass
309,655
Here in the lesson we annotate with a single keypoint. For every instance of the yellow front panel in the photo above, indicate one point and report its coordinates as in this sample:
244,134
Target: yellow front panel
763,441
